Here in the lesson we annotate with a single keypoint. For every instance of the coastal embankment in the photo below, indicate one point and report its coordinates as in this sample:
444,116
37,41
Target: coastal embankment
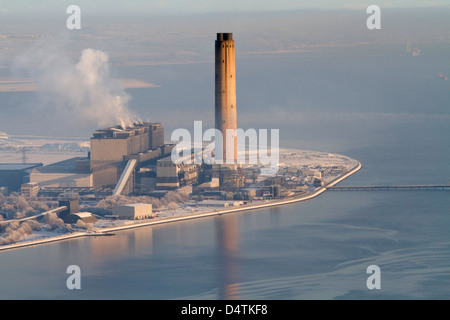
108,230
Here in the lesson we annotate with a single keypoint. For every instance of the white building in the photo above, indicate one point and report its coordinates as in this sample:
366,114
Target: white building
137,211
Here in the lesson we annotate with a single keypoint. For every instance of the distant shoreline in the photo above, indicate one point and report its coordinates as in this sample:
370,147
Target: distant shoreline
106,231
30,85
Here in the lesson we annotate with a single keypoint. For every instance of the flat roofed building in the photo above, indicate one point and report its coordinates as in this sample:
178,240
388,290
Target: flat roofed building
137,211
86,217
67,173
172,175
14,175
30,189
156,135
110,147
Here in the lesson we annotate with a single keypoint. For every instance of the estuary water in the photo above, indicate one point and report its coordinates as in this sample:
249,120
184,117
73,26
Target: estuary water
387,110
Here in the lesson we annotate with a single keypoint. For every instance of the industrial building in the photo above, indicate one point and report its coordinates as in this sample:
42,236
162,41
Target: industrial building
170,175
114,162
72,206
135,159
14,175
72,212
112,147
117,154
30,189
85,217
214,183
137,211
70,173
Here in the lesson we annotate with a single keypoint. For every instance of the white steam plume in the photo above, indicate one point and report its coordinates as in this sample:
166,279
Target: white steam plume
83,90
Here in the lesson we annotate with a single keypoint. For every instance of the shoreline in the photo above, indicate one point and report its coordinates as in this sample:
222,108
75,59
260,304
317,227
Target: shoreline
31,85
108,230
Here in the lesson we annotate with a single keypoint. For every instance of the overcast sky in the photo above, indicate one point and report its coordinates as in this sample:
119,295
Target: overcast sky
200,6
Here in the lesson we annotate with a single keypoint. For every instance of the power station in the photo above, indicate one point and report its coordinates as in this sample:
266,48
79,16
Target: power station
136,160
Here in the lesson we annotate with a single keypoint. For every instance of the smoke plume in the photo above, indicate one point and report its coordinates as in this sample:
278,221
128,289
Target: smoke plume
80,90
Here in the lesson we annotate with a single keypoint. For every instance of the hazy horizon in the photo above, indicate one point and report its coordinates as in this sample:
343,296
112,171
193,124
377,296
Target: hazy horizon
203,6
186,37
178,49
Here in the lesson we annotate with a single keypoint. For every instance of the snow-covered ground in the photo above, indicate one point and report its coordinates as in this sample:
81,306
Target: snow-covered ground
46,150
50,150
299,158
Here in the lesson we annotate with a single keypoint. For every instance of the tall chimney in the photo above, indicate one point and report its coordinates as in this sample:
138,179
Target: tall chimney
225,109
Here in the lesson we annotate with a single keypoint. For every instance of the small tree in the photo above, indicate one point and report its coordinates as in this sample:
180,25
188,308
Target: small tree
53,221
172,206
80,224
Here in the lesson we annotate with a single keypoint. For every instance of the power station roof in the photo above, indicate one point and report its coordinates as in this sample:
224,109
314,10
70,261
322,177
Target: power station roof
84,214
64,166
18,166
135,205
119,132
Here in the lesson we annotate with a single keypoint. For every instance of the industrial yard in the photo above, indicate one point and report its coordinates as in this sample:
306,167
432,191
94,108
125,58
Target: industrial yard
300,171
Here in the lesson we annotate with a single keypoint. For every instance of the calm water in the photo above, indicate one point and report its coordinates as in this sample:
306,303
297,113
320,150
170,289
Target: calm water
389,112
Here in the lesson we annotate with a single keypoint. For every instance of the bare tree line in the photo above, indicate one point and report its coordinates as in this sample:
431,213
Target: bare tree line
16,231
105,206
16,206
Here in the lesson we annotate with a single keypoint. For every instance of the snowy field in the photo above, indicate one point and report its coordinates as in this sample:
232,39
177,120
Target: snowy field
46,150
299,158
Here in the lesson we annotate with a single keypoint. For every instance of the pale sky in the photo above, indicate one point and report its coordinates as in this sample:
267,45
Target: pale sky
200,6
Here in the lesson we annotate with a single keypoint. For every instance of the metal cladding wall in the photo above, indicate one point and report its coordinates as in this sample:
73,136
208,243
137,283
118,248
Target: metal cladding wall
110,145
106,157
225,94
13,179
57,180
73,206
108,152
13,175
156,133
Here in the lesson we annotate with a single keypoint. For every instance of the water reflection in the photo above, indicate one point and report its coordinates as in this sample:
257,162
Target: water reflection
101,249
227,232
